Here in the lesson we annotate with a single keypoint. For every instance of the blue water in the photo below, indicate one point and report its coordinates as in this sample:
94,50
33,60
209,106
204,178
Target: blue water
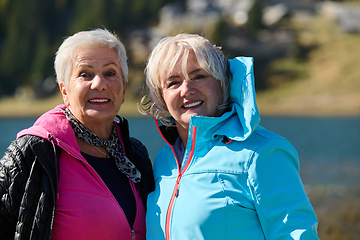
328,147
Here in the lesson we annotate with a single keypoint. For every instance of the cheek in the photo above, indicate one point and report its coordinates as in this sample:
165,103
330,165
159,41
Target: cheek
164,96
170,98
168,103
216,92
76,93
117,87
79,90
220,97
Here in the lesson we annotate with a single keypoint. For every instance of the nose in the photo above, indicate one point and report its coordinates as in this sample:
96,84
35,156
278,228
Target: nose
98,82
187,88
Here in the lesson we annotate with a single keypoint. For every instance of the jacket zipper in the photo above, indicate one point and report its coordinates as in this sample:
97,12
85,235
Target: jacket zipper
51,139
132,234
177,183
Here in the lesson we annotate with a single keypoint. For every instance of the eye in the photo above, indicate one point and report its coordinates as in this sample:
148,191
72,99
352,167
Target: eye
172,84
84,75
110,73
199,76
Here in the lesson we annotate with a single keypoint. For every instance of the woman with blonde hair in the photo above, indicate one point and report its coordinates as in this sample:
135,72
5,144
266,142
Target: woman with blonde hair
220,174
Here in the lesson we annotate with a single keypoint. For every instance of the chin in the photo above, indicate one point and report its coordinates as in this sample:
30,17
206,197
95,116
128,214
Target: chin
101,115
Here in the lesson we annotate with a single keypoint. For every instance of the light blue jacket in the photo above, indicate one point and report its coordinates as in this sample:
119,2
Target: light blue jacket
237,180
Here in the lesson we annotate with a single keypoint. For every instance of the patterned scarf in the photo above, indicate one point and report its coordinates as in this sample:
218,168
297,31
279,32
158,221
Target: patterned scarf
112,146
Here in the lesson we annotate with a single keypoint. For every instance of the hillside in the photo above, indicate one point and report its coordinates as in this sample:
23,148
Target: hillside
326,82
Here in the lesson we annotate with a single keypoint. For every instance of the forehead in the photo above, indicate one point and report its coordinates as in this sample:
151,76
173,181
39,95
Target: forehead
184,65
91,55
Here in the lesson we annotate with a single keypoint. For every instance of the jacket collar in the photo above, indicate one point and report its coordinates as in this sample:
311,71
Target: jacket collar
243,117
54,126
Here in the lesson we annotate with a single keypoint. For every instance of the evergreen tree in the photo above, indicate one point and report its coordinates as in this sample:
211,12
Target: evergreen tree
31,31
254,23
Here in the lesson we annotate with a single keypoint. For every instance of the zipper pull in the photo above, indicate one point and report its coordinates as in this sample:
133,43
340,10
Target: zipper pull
132,234
177,183
176,190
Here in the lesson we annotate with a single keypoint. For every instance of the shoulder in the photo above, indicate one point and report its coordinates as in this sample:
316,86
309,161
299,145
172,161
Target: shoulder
273,142
21,175
263,150
263,140
132,145
23,146
273,157
16,165
142,161
139,148
141,157
22,151
137,153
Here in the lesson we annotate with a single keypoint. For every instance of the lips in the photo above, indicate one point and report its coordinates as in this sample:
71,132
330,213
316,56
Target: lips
194,104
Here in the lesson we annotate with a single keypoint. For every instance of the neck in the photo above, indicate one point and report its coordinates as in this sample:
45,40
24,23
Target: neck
100,127
91,150
103,130
183,133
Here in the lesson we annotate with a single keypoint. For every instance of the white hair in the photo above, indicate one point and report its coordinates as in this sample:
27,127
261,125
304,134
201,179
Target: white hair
94,38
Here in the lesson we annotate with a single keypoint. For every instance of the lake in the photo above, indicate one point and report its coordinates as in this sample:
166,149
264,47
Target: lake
328,147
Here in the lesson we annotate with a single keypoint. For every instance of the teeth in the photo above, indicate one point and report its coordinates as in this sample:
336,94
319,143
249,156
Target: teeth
99,100
192,104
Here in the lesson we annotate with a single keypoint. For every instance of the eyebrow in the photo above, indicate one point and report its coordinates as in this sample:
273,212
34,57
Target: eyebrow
111,63
190,73
91,66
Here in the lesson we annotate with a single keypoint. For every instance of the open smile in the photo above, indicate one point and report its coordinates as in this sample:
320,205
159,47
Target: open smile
192,104
99,100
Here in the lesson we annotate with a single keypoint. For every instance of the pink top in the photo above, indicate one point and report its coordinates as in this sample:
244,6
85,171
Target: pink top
85,207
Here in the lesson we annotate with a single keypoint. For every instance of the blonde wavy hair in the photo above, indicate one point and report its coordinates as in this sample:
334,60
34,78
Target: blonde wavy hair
163,59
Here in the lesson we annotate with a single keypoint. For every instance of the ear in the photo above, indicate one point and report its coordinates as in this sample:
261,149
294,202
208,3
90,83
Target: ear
64,94
123,98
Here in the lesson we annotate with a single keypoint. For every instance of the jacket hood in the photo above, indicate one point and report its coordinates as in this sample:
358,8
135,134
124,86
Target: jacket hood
243,95
54,126
243,117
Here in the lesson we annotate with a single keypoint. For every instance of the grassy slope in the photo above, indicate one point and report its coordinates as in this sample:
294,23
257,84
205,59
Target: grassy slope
327,83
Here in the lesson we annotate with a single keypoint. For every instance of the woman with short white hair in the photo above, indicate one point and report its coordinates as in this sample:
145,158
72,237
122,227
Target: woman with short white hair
76,173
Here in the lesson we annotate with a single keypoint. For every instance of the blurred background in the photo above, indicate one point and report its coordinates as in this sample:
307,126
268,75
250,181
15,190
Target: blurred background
306,62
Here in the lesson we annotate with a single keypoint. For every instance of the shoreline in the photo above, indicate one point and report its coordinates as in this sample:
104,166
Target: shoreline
24,112
287,107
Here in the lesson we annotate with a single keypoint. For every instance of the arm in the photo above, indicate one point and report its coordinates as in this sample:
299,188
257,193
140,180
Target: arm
12,184
280,199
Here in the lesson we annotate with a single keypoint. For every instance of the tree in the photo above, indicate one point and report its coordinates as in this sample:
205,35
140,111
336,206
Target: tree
254,23
31,31
26,49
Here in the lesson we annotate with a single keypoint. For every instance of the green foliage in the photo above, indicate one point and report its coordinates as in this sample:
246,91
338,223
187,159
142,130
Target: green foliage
349,1
31,31
254,23
219,31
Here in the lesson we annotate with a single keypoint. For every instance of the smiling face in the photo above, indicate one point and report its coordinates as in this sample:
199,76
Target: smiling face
199,96
95,90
